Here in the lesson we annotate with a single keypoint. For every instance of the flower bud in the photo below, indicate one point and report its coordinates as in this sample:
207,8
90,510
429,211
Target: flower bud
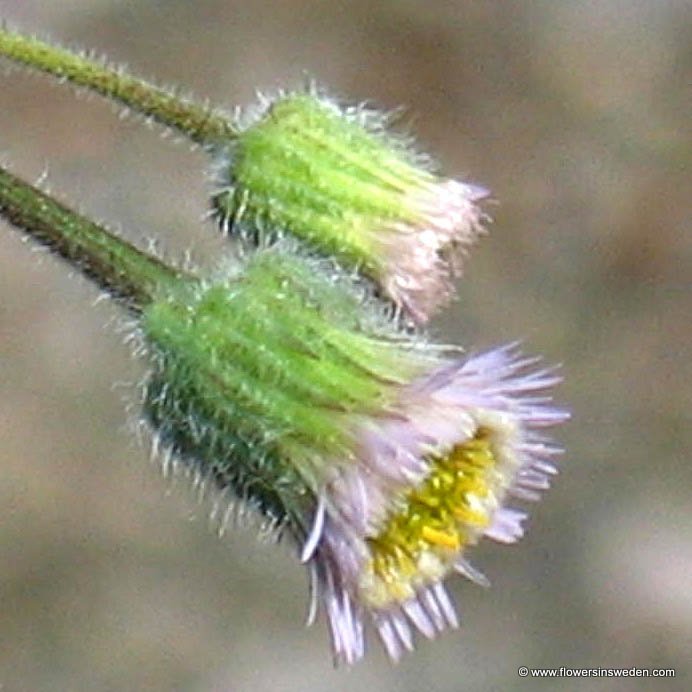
383,457
335,178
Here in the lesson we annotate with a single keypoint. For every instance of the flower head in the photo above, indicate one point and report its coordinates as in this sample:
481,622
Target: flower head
434,476
385,458
332,176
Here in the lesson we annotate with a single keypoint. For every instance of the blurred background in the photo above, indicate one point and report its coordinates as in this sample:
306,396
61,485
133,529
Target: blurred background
577,116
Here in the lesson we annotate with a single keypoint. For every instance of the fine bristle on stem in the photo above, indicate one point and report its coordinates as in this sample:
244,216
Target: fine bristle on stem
199,122
128,274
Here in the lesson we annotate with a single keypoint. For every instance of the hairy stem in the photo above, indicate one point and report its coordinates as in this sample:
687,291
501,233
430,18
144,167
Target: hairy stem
199,122
131,276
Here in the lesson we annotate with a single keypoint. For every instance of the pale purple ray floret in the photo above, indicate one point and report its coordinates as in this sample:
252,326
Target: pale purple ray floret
423,258
499,392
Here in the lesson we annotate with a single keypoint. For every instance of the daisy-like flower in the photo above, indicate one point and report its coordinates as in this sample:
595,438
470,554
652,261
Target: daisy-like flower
383,457
336,178
434,475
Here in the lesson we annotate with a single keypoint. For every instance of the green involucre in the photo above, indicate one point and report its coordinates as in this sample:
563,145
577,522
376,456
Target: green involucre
261,379
310,169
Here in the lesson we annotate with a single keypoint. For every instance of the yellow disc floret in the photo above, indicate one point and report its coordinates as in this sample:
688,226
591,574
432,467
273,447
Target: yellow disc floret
434,522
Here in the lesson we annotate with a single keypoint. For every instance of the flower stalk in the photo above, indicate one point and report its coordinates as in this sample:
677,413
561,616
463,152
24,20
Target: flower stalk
199,122
131,276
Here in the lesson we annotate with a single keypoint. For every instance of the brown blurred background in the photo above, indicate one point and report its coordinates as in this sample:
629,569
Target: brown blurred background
577,116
